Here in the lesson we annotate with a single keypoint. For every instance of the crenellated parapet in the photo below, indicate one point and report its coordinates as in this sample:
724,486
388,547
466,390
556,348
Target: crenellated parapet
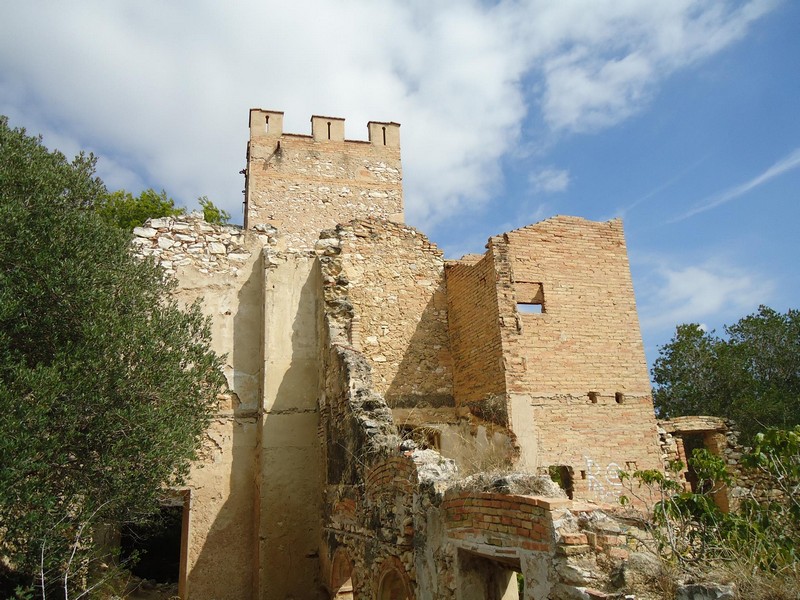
269,123
303,184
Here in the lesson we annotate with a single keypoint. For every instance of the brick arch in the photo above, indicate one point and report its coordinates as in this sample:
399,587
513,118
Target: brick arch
395,475
393,581
341,576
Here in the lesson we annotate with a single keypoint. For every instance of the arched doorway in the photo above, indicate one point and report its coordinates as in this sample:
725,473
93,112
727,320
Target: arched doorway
394,585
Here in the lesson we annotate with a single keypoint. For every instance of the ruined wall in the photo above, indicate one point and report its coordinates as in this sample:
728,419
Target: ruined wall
304,184
587,337
474,330
223,267
395,283
564,549
681,435
578,389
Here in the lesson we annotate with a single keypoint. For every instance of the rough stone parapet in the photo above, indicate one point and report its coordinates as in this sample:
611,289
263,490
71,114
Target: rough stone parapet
189,241
396,311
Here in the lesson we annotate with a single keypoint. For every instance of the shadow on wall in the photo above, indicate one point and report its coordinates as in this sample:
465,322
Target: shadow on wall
423,405
224,496
424,377
289,473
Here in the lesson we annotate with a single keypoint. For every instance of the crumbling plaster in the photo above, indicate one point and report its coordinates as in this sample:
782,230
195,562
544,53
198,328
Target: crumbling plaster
368,376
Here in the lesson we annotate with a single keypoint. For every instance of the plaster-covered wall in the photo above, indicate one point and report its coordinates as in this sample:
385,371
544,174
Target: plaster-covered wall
289,480
222,267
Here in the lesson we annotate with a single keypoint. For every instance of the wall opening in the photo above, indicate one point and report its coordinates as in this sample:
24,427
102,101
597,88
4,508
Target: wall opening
563,476
530,297
593,397
384,135
329,130
691,443
394,586
426,438
266,124
342,577
528,308
619,397
484,578
155,550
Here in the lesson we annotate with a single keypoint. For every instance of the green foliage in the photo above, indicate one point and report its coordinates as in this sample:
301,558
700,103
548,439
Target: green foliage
213,214
127,211
762,534
122,209
106,383
752,376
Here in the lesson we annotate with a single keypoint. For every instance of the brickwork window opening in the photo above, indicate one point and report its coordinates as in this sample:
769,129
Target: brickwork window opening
529,309
384,135
563,476
426,438
266,125
530,297
619,397
329,130
593,397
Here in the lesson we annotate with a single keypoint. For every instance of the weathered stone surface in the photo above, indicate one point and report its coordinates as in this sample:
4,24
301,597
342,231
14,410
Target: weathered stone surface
705,591
145,232
355,349
193,242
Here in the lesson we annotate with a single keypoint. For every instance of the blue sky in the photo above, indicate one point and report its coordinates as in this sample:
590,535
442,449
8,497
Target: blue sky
680,116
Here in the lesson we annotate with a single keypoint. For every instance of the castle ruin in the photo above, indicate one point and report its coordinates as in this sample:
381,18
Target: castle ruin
369,376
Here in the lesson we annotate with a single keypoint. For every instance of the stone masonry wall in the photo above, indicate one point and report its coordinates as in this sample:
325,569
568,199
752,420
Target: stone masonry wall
304,184
474,330
187,240
395,282
721,438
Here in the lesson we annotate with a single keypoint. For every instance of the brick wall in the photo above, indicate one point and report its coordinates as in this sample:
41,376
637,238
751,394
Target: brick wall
304,184
396,286
588,337
499,520
474,329
576,372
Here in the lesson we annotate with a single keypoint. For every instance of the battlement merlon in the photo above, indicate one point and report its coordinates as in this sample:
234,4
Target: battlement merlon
303,184
269,123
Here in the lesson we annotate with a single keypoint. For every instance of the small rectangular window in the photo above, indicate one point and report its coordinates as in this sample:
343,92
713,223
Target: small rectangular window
529,308
530,297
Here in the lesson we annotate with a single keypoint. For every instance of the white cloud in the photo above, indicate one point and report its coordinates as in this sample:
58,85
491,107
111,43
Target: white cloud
786,164
710,291
163,89
550,180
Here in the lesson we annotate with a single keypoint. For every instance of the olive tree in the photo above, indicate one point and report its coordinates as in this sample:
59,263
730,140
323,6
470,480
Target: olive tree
106,383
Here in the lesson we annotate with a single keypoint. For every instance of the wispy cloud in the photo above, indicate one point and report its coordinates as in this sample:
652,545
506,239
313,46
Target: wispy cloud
786,164
550,180
699,293
659,188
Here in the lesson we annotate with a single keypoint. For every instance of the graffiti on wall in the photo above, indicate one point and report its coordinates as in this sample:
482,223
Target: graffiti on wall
603,480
